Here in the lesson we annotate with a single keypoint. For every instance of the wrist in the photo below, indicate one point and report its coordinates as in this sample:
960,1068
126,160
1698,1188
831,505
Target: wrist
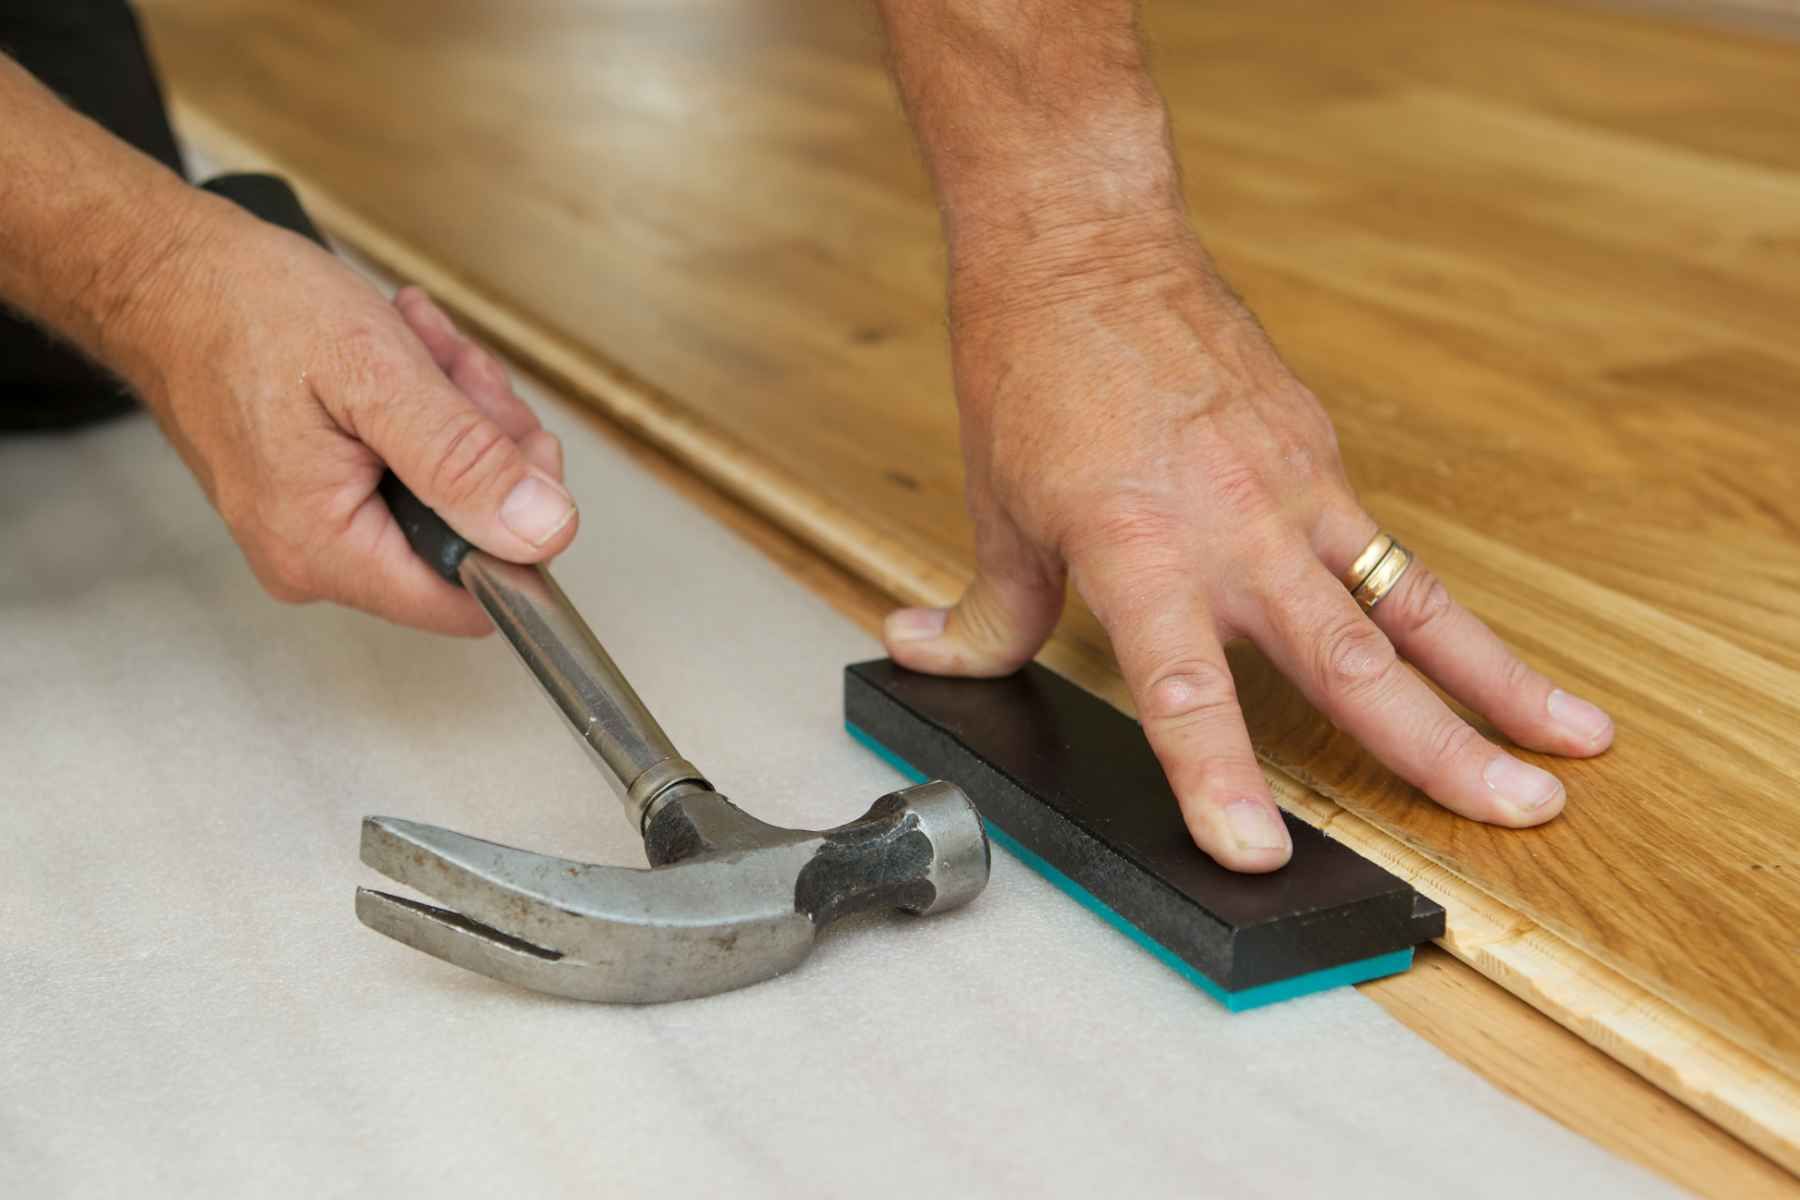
131,310
1075,209
1051,175
1121,263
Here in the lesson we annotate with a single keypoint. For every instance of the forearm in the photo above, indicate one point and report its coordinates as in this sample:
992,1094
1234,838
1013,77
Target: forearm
88,225
1038,120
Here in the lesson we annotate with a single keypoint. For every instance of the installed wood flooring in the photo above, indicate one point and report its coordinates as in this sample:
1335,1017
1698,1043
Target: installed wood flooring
1540,263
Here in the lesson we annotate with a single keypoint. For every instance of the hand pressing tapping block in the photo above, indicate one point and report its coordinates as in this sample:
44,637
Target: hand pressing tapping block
1068,784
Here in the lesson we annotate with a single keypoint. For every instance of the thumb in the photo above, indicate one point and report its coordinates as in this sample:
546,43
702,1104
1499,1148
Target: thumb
1000,622
462,465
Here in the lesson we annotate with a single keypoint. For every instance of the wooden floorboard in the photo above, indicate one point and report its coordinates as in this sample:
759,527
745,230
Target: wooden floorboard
1538,262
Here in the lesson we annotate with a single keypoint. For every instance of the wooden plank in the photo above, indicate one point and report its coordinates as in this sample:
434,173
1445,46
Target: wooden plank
1777,18
774,266
1480,1024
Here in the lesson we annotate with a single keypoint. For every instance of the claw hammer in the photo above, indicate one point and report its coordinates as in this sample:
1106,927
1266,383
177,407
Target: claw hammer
728,900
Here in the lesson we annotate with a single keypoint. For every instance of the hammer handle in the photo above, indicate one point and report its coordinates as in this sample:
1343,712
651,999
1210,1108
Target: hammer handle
524,602
580,678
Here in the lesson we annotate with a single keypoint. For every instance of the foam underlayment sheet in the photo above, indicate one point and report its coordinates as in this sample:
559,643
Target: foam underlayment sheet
189,1007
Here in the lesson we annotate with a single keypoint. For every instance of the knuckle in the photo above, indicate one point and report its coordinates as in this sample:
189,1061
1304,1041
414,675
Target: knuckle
284,573
1426,606
1448,740
1267,563
984,625
1188,691
1218,775
1122,560
369,367
1316,422
366,346
1516,675
466,361
1354,657
1127,526
1239,488
485,366
472,451
290,568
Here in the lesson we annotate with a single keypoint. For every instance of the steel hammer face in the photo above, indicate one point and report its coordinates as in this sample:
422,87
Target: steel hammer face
729,900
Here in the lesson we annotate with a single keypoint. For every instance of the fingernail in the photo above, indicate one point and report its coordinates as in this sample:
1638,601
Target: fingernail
536,509
1255,826
916,624
1520,786
1586,721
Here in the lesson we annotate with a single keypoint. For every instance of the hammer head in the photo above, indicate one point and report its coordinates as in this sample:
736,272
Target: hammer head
728,901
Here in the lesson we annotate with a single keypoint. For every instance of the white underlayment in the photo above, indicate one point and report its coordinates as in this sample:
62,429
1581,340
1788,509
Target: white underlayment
189,1007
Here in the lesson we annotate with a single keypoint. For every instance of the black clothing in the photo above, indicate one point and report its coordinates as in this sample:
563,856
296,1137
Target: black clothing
92,54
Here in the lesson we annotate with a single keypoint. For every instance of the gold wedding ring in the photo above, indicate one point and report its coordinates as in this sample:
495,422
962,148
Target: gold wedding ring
1376,570
1365,562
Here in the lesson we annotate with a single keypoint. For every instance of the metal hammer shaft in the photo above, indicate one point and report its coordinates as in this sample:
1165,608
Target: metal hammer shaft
580,678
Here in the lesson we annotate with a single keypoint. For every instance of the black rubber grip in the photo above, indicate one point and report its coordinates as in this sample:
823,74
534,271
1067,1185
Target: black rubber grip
269,197
442,548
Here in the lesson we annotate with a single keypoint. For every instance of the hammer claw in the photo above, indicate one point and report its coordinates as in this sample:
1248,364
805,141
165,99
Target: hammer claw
585,931
468,944
534,898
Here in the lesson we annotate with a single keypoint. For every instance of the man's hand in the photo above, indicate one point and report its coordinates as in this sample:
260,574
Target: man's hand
1127,424
287,383
284,380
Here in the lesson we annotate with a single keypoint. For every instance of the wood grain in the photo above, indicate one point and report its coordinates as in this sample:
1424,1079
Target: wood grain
1478,1023
1539,263
1777,18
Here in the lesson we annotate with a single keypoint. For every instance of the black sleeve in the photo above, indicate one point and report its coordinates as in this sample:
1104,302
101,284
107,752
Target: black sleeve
92,54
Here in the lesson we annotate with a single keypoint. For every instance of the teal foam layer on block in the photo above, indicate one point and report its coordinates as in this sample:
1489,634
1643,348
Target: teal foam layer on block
1359,971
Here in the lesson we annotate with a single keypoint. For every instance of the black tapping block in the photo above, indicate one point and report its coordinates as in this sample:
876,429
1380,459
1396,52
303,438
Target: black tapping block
1069,784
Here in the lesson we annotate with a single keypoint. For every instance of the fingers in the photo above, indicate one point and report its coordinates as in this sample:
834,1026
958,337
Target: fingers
366,564
1001,621
481,377
454,455
1452,645
477,373
1317,635
1173,662
545,451
374,569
